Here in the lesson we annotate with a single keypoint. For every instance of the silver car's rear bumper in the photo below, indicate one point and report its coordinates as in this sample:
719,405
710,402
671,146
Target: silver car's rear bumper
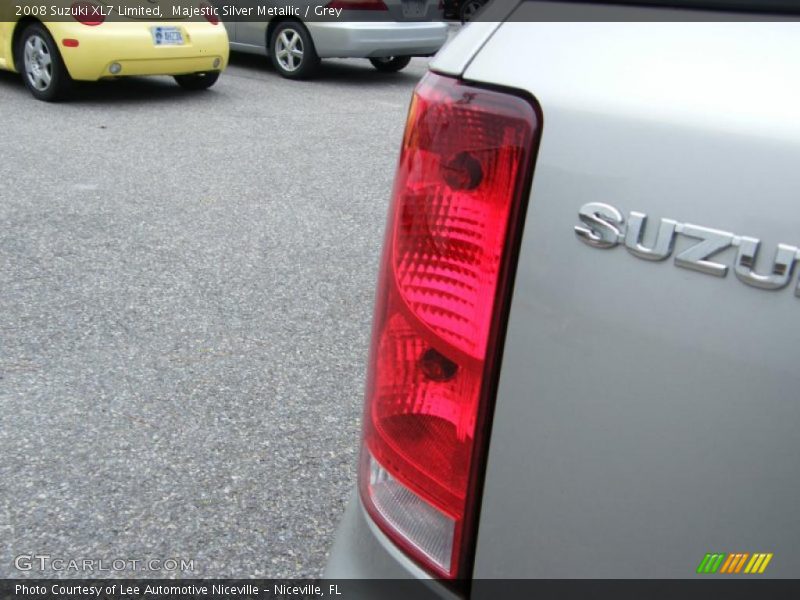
377,39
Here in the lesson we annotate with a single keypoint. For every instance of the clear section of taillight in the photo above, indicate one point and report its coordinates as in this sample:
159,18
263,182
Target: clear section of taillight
465,157
430,531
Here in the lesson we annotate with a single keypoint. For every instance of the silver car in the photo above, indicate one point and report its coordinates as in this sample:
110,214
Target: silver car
582,362
387,32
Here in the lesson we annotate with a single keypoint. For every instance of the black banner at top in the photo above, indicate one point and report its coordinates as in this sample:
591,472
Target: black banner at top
397,11
231,11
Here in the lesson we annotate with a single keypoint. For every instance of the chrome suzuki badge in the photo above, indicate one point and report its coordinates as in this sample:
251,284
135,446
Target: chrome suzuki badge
603,226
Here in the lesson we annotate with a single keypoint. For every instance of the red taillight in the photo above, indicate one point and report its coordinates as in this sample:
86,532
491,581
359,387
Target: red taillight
87,13
357,5
209,13
457,199
70,43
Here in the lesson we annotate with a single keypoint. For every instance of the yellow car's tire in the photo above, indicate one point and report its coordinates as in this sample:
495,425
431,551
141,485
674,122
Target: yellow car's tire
40,63
197,81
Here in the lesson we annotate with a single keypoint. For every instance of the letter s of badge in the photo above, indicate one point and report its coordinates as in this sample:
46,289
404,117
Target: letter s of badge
603,225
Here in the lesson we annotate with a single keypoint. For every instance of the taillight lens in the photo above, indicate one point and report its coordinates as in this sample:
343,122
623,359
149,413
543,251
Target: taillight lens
457,200
358,5
209,13
87,13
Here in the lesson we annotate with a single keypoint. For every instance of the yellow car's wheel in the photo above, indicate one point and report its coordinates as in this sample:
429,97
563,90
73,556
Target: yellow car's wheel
41,66
197,81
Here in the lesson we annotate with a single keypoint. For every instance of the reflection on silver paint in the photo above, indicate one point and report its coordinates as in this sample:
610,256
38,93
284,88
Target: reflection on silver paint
603,226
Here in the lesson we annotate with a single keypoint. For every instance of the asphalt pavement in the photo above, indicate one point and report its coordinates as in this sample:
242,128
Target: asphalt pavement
186,289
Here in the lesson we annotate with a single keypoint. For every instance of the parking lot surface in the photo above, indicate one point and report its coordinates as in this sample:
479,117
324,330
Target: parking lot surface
187,285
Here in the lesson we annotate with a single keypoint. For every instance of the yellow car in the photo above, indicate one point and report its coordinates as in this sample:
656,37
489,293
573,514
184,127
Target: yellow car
52,45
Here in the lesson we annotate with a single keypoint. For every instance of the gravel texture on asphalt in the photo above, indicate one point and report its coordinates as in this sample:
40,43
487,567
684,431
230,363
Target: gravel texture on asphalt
187,287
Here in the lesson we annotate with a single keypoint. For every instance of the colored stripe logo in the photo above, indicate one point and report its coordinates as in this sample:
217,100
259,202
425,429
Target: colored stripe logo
734,563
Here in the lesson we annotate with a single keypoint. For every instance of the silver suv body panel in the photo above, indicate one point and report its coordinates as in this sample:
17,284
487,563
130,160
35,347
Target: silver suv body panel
647,414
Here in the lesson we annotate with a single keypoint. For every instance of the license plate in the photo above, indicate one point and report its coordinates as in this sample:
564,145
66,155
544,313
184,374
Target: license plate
413,9
167,36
